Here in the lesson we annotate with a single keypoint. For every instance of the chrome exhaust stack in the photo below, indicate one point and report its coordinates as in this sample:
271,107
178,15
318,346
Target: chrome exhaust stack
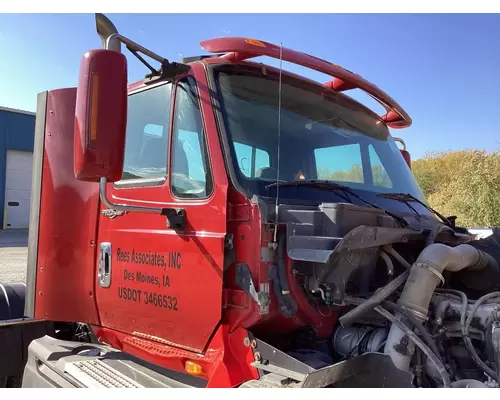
107,32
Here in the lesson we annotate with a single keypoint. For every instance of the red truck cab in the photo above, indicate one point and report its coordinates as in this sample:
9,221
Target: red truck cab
190,220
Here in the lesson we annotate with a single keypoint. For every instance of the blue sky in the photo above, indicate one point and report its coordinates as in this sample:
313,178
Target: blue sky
443,69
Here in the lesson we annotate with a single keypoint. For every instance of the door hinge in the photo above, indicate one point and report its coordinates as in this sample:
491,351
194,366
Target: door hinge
228,241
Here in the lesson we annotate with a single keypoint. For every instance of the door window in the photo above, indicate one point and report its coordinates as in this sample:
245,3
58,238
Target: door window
146,141
190,172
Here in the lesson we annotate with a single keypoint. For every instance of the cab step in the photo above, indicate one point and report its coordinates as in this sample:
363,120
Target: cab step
54,363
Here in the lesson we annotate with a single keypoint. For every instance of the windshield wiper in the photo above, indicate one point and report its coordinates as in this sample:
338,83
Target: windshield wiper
406,197
336,186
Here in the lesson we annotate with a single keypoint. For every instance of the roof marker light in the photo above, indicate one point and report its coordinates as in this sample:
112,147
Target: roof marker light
255,42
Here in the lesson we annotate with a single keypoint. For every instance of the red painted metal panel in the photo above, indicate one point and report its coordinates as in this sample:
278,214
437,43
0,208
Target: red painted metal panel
197,284
226,360
240,49
240,310
68,223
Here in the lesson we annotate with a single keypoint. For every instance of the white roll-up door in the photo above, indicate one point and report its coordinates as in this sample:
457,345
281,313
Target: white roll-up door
17,189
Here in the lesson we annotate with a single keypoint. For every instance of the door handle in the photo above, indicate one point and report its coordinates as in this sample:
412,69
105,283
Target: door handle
104,269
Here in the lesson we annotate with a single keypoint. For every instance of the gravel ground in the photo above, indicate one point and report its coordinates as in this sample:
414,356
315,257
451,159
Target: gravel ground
13,255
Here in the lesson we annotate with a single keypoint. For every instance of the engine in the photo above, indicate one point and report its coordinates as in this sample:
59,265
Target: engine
428,299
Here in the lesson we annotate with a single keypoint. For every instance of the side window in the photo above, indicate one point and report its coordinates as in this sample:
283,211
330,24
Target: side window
250,159
146,141
244,158
339,163
261,159
380,175
190,174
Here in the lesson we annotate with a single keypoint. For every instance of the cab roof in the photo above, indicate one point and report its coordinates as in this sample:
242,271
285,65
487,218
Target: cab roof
238,49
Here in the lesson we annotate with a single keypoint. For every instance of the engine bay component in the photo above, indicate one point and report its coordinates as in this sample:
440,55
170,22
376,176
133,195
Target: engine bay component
425,275
354,341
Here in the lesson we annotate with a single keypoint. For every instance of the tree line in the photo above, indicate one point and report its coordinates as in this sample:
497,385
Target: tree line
463,183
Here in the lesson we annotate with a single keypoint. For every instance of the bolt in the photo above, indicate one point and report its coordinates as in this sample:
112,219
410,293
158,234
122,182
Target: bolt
40,293
253,343
91,293
246,342
257,356
91,242
41,269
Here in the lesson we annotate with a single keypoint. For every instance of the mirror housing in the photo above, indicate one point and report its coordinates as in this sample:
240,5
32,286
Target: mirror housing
406,155
100,116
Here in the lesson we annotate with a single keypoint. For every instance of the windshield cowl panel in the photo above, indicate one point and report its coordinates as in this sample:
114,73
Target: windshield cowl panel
323,135
315,196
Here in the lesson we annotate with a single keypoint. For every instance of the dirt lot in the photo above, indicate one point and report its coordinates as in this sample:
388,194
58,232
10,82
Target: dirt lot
13,255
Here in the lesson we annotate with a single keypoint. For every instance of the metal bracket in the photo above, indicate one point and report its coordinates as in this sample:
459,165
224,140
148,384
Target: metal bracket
245,282
228,241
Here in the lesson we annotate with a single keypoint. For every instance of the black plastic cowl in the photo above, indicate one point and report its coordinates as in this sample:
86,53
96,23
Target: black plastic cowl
485,275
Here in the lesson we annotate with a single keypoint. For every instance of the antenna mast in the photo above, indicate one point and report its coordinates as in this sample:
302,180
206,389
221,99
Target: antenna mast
279,147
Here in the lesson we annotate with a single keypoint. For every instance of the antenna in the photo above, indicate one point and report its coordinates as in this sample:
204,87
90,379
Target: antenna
279,147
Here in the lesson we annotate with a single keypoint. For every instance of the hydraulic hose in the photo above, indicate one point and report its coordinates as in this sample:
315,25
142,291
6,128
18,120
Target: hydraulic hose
383,293
388,263
378,297
397,256
289,307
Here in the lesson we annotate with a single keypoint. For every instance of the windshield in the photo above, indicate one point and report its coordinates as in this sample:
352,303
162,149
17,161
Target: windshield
324,135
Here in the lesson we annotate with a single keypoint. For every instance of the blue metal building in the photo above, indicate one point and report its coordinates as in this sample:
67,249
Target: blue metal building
17,133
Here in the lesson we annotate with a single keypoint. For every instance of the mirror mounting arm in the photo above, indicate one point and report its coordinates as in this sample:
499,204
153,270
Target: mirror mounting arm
168,70
176,217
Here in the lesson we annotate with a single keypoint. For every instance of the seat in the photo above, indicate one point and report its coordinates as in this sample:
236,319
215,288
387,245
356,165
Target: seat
267,173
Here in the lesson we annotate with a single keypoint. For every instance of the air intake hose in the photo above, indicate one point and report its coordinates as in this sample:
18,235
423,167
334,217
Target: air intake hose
425,275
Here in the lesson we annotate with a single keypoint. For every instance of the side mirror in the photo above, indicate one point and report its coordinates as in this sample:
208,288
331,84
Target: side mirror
404,153
407,157
100,116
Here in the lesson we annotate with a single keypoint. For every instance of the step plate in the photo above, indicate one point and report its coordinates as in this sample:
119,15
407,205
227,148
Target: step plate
96,374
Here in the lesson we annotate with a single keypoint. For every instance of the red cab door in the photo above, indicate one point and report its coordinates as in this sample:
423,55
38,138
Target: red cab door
158,281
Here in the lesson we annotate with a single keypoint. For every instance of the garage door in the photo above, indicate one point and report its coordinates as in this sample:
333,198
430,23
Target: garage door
17,189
